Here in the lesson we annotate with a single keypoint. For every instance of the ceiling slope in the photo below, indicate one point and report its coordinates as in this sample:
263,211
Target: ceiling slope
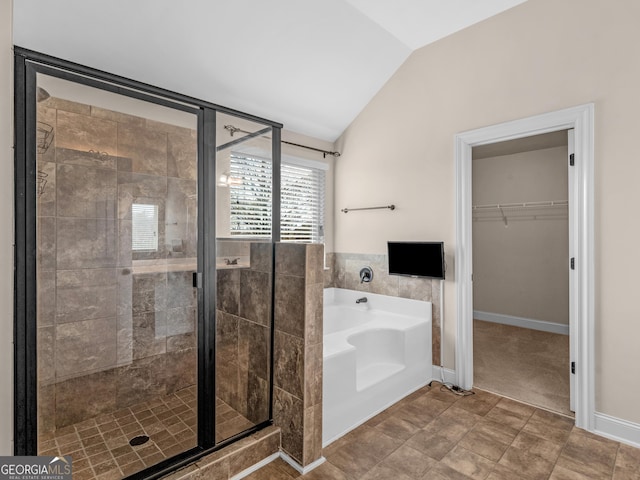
310,65
419,22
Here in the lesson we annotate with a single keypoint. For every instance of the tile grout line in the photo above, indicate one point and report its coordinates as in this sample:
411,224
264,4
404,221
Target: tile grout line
562,450
514,438
520,430
615,460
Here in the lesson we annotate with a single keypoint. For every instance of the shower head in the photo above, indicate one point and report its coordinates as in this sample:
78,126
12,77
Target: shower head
41,94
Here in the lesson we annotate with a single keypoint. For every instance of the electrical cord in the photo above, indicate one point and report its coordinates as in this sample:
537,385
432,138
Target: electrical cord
450,387
445,385
456,390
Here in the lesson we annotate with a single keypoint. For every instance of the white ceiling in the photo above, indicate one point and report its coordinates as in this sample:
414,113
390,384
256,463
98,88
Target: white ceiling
312,65
417,23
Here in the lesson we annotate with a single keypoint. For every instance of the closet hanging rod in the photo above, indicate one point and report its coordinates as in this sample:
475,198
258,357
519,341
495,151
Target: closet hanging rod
500,206
231,129
347,210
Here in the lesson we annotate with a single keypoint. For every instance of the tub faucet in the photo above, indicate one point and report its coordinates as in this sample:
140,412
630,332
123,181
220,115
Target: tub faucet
362,300
366,275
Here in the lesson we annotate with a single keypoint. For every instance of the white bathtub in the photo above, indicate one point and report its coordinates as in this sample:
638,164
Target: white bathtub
375,353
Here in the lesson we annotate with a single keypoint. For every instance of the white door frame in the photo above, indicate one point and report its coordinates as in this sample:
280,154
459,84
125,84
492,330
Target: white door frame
581,120
572,183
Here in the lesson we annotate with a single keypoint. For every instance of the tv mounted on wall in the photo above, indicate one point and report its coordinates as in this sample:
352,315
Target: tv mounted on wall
416,259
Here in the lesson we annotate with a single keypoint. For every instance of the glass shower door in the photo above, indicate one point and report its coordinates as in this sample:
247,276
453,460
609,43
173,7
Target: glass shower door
117,247
244,269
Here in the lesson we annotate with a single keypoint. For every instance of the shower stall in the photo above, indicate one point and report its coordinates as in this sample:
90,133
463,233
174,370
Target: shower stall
144,315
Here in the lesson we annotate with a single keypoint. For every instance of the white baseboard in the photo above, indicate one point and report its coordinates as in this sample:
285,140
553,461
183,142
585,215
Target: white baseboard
299,468
616,429
522,322
449,375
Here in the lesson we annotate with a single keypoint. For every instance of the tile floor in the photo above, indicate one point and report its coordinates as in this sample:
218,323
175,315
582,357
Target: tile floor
435,435
528,365
100,448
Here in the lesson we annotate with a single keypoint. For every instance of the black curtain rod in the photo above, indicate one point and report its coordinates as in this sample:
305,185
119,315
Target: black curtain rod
324,152
233,130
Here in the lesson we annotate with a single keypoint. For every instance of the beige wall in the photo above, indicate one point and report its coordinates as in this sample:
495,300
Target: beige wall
6,233
521,268
538,57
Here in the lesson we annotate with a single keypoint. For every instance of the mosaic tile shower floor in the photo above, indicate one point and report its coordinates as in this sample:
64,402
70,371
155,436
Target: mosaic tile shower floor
100,446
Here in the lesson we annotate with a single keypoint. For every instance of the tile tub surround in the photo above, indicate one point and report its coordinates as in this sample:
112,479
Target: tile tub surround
113,323
297,399
342,271
435,435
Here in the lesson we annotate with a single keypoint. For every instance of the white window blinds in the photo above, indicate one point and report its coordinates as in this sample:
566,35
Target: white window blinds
250,196
302,207
144,227
302,199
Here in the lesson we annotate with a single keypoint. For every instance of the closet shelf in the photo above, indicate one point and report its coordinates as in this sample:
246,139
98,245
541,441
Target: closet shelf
521,211
521,206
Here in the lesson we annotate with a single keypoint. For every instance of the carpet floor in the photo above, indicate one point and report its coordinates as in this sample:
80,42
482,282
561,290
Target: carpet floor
527,365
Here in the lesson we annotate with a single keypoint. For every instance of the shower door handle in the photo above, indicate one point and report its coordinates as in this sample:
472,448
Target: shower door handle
197,280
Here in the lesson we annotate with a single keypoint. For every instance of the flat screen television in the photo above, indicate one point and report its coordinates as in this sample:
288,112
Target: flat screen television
416,259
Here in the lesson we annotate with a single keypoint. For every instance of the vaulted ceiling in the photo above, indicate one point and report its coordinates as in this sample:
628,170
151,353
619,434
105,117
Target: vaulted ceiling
312,65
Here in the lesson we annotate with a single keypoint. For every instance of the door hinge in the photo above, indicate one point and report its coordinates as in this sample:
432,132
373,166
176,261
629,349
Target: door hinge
197,280
573,263
573,367
572,159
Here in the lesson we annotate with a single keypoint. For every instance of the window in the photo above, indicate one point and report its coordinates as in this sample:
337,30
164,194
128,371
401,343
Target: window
144,227
302,204
250,190
302,199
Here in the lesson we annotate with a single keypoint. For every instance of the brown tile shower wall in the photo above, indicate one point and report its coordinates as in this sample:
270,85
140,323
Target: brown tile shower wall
115,326
297,398
243,332
343,272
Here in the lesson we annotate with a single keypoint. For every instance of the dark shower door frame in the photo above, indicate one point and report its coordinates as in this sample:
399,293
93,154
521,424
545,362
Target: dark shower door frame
27,64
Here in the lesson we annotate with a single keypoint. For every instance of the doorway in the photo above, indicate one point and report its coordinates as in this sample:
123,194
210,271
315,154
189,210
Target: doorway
581,245
521,269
